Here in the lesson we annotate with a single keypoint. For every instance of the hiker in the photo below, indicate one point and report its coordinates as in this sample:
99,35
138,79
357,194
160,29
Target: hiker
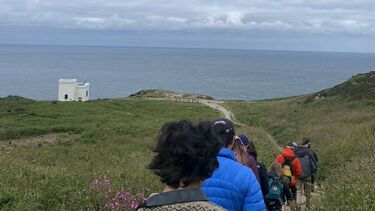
240,150
291,169
305,183
262,170
279,192
232,186
185,157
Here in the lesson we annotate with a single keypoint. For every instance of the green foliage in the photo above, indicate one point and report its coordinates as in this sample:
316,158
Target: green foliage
351,187
100,138
361,86
340,129
114,138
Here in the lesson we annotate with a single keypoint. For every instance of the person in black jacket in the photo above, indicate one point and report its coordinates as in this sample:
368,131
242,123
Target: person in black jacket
309,160
262,170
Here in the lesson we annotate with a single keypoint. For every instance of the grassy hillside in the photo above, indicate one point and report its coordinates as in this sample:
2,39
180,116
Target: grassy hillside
358,87
101,138
341,125
74,156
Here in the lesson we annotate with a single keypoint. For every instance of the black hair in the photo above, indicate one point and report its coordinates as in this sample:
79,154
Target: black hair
251,149
225,131
185,153
305,140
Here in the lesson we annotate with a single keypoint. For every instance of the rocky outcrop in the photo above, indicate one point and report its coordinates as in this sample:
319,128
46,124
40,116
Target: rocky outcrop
161,93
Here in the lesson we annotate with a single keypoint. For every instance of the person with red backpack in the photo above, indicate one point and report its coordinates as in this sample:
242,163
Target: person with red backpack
291,168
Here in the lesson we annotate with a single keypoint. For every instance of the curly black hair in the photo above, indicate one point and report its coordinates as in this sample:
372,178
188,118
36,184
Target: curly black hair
185,153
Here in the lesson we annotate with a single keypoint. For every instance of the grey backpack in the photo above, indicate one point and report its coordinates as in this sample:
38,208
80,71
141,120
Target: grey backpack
306,165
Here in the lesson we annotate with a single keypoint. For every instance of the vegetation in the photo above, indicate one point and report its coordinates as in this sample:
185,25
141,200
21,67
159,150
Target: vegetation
342,130
360,86
111,138
74,156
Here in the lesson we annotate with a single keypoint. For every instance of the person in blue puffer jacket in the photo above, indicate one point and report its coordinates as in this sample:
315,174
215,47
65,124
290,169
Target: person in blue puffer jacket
233,185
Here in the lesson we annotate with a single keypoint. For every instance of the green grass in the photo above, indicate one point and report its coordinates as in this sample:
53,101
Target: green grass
350,187
112,138
358,87
342,133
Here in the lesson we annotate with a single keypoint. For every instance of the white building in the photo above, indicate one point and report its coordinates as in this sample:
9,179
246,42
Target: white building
70,90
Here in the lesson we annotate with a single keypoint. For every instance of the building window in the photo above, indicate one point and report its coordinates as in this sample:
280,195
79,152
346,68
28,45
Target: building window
87,93
66,97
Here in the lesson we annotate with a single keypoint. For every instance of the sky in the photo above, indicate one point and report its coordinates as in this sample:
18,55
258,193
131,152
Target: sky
319,25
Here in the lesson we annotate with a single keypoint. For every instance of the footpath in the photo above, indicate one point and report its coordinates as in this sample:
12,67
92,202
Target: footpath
229,115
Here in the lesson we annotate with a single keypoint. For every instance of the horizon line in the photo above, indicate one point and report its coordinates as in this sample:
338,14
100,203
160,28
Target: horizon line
184,47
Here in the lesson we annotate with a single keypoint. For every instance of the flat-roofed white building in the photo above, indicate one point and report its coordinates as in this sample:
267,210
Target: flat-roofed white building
71,90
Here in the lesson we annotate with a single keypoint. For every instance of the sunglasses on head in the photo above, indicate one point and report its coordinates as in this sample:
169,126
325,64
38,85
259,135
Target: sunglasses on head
238,139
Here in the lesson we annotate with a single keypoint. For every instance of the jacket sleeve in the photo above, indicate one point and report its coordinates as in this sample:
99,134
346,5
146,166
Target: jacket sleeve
263,179
297,167
253,165
280,159
254,198
315,156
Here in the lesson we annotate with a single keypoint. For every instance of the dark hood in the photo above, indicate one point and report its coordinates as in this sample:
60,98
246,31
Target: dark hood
302,151
254,155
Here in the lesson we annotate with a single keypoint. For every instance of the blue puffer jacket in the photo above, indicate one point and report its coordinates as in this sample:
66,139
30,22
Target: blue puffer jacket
233,186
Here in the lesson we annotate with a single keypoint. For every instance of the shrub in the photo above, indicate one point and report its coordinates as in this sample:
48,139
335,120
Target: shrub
104,197
351,187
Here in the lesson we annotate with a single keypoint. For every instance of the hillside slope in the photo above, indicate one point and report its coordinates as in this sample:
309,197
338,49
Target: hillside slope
51,152
341,125
361,86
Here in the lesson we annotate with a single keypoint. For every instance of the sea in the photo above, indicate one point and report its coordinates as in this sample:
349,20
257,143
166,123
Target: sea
115,72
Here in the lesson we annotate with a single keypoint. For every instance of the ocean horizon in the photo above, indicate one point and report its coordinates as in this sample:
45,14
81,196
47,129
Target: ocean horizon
33,71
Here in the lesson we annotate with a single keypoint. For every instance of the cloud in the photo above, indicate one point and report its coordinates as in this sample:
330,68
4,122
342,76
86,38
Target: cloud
356,17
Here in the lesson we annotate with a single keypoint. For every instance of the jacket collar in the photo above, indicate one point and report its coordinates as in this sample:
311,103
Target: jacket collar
224,152
302,151
176,197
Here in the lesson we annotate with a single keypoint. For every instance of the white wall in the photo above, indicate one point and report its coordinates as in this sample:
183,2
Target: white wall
75,91
81,92
67,87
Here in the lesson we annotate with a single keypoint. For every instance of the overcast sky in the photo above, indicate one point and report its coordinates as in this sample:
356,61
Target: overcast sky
327,25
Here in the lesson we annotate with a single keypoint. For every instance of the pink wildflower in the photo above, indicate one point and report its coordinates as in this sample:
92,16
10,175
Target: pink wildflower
133,204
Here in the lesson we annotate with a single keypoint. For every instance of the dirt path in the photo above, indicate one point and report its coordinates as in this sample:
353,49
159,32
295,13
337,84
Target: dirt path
228,114
273,141
217,105
49,138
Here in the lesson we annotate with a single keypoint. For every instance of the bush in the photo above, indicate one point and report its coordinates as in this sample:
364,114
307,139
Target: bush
350,187
102,196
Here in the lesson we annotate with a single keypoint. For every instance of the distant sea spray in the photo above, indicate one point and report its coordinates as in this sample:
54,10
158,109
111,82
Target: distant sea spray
34,71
